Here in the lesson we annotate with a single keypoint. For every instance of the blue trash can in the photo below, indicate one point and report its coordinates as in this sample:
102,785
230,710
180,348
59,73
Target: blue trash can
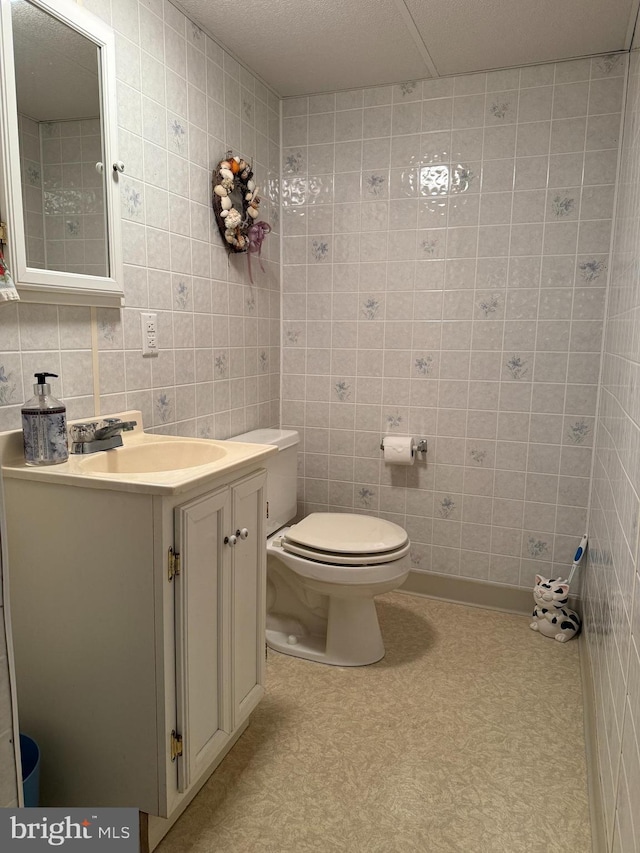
30,755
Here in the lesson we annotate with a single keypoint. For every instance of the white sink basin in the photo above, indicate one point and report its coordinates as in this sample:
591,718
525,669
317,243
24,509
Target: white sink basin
153,456
146,463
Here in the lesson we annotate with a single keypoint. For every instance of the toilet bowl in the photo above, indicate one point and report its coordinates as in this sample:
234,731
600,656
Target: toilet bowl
321,586
324,571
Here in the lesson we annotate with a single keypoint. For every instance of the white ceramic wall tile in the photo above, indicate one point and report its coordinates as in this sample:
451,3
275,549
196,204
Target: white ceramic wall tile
612,590
461,217
182,101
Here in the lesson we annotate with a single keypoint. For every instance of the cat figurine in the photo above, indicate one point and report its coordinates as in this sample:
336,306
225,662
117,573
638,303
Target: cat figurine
551,616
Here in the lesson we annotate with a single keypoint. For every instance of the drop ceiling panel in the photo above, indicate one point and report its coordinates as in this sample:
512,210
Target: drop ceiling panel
463,36
302,47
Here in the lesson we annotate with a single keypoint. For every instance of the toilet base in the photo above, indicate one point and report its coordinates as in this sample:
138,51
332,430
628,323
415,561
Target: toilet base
352,636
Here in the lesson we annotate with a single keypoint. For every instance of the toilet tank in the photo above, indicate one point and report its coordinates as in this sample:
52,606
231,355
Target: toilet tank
282,471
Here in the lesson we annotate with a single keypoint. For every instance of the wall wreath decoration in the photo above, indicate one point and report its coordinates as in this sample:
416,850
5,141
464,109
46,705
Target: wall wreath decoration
236,205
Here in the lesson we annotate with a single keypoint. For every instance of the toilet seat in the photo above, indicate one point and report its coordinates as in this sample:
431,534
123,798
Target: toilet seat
355,540
336,559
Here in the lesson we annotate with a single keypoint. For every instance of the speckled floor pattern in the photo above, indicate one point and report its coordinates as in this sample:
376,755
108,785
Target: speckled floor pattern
467,736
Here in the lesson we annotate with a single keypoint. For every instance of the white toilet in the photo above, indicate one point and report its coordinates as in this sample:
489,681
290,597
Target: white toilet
323,572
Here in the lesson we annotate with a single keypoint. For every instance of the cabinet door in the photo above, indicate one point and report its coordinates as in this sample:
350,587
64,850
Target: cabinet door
248,590
202,629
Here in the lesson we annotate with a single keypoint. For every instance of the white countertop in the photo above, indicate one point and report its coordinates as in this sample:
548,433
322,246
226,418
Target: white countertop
172,482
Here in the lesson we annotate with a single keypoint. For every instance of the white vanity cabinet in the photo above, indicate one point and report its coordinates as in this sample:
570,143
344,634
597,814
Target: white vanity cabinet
219,661
138,622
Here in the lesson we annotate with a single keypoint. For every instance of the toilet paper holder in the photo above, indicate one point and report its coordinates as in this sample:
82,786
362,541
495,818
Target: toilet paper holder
420,445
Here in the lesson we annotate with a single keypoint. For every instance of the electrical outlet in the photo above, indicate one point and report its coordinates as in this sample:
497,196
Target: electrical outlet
149,323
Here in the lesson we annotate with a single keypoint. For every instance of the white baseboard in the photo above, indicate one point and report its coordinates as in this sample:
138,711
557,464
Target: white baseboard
491,596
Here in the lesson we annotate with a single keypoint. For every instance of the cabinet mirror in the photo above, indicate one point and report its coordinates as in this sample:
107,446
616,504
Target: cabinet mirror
59,170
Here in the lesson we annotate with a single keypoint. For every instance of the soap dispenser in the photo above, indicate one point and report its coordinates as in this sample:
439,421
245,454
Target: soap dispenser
44,425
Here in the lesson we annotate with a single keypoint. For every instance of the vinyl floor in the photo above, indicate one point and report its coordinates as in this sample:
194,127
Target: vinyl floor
467,736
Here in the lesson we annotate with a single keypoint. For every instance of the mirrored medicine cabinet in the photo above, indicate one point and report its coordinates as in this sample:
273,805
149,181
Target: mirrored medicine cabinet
58,165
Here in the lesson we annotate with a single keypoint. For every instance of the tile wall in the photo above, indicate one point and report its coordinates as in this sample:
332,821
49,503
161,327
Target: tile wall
612,595
182,103
63,196
74,213
32,194
445,255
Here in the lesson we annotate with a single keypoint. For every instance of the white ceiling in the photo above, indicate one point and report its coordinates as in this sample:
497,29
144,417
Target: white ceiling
301,47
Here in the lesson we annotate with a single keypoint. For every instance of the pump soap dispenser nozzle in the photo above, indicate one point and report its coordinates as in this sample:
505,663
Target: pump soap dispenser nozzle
44,425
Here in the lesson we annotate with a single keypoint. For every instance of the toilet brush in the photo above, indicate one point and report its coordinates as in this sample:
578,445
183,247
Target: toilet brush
577,559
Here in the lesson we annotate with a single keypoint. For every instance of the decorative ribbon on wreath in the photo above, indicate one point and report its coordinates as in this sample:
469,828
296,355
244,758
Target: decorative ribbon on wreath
255,235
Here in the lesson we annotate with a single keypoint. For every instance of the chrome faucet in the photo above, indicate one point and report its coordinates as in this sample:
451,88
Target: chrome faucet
92,436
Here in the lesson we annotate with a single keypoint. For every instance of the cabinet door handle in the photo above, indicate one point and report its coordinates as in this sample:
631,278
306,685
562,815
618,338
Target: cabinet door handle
243,534
230,540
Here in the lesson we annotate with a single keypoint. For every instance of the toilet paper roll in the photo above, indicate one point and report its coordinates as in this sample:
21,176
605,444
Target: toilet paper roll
399,449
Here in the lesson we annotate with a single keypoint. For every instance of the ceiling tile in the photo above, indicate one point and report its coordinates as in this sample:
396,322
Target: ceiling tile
323,46
464,35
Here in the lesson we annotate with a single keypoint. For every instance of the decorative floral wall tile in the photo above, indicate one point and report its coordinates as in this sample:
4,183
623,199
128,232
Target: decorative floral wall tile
342,391
424,365
592,269
366,497
446,507
517,367
563,206
177,135
8,387
320,250
578,432
372,308
181,294
394,421
294,162
375,185
502,107
410,90
489,304
537,548
132,201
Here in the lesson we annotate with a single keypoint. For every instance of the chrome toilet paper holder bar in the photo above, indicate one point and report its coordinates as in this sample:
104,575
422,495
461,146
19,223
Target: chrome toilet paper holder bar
420,445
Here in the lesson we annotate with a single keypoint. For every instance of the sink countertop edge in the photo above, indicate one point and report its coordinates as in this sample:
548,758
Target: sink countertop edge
162,483
171,482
